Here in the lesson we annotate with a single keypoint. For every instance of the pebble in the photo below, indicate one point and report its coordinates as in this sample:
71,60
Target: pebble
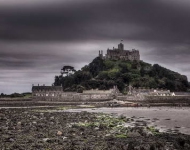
52,117
19,123
107,134
11,140
34,122
133,134
45,139
64,137
59,133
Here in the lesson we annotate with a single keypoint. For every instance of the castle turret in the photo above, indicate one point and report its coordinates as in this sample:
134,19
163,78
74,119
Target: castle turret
101,53
120,46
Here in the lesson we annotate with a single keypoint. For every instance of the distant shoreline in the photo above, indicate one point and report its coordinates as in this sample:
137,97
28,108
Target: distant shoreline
176,101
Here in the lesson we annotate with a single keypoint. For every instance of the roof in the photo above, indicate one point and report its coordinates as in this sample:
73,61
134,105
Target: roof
163,92
47,88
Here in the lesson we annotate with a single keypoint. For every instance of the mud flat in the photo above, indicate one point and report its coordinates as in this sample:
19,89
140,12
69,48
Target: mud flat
55,129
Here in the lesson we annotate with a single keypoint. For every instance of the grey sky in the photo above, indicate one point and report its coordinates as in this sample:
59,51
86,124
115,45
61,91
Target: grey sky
38,37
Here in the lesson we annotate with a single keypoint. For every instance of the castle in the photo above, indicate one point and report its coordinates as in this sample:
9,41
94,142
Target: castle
120,54
56,93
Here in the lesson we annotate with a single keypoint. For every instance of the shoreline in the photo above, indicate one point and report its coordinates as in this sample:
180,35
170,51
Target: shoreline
105,103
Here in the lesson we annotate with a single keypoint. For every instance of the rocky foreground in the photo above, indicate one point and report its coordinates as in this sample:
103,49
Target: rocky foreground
45,130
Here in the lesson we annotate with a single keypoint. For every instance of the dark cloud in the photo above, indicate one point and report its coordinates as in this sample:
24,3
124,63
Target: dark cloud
142,20
38,55
40,36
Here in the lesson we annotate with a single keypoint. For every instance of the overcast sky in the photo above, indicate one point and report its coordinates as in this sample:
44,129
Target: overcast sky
38,37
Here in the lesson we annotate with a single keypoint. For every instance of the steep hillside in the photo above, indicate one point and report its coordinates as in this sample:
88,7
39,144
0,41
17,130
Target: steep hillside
104,74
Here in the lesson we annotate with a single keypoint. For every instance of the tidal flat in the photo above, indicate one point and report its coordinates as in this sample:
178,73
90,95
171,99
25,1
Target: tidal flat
56,129
166,119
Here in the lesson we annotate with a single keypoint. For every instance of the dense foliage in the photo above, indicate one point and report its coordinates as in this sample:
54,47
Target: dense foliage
104,74
16,95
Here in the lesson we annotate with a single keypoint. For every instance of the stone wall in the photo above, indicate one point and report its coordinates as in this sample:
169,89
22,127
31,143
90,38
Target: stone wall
167,99
131,97
156,99
96,91
67,96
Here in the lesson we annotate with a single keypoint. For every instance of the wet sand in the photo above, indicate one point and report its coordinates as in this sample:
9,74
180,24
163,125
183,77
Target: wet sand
167,119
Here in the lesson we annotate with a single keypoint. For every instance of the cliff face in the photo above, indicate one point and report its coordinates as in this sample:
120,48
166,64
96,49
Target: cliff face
104,74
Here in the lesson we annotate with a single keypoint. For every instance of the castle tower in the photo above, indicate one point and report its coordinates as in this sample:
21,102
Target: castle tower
101,53
120,47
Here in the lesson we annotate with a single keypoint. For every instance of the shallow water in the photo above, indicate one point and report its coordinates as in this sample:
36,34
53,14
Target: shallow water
167,119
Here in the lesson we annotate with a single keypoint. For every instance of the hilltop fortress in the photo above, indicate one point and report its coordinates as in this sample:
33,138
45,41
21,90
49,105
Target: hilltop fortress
57,93
120,54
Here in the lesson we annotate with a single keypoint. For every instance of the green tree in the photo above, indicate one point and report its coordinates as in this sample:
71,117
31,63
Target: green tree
82,76
113,74
57,81
109,64
103,75
96,66
67,70
124,67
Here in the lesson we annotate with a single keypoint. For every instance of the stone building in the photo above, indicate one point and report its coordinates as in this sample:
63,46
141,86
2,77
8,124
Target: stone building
46,91
149,92
120,54
162,93
56,93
